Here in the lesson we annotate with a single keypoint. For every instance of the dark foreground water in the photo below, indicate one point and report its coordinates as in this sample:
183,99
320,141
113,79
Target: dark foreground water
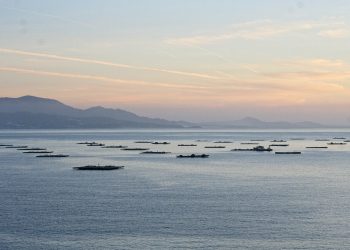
242,200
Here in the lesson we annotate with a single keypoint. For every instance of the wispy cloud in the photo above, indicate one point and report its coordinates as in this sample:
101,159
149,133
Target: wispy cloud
311,75
98,78
265,29
333,72
228,85
334,33
320,63
109,64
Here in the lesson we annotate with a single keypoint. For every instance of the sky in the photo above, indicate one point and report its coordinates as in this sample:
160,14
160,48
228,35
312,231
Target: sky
194,60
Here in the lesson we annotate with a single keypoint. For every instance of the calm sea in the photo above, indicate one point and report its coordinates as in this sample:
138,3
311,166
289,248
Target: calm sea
231,200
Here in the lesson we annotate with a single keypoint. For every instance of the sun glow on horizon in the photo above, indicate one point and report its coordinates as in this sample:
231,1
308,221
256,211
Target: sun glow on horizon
267,64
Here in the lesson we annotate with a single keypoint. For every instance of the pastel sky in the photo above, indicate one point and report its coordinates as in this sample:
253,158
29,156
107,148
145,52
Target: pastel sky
196,60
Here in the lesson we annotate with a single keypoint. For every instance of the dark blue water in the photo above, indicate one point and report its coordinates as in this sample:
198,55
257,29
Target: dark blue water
242,200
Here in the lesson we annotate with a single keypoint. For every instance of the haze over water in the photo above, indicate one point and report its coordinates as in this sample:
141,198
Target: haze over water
242,200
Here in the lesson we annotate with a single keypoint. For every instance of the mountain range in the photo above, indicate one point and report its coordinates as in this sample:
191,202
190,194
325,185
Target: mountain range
30,112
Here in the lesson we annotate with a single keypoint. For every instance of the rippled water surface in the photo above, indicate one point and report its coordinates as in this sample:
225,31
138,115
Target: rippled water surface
243,200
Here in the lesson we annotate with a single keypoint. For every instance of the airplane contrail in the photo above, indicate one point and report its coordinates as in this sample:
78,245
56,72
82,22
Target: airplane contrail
105,63
99,78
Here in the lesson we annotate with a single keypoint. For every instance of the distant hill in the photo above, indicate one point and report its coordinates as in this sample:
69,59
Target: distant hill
30,112
253,123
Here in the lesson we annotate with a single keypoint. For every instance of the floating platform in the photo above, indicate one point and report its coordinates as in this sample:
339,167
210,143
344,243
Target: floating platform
155,152
288,153
135,149
256,149
95,145
336,143
242,149
317,147
52,156
161,143
31,149
94,167
119,146
193,156
37,152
